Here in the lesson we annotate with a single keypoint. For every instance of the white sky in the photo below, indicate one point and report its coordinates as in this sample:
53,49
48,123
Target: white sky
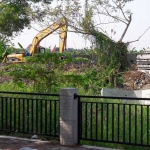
140,22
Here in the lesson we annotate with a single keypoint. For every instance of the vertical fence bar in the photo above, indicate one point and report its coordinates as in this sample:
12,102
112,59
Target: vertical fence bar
58,125
55,117
15,114
41,117
2,108
23,114
118,122
141,124
27,115
147,125
135,124
32,116
96,129
129,123
1,112
107,118
79,120
10,108
37,116
112,122
58,117
6,112
32,121
101,121
46,117
124,123
19,116
50,117
91,112
85,120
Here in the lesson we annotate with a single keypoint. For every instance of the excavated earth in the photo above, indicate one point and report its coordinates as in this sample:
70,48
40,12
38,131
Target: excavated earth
136,80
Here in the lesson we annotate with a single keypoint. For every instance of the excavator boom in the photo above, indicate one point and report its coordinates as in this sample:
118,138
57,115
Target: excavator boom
49,30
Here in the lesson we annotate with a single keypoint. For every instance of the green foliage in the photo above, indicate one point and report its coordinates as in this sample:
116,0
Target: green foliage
111,56
86,23
13,18
3,49
134,51
49,73
46,73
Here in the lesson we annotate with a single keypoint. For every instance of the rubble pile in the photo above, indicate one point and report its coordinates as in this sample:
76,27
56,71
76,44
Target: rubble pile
136,80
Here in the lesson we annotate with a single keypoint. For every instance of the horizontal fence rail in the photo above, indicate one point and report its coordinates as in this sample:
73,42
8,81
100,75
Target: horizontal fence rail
30,113
119,120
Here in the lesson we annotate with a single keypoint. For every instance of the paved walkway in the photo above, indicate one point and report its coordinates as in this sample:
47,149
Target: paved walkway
13,143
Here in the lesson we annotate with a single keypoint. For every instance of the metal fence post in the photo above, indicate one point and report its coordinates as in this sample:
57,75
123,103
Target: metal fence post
68,116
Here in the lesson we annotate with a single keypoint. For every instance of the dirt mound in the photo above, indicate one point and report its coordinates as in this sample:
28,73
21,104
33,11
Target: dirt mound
136,80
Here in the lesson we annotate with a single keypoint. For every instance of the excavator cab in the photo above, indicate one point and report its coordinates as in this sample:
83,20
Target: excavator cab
40,50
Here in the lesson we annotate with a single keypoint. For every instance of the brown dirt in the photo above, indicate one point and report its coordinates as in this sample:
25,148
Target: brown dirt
136,80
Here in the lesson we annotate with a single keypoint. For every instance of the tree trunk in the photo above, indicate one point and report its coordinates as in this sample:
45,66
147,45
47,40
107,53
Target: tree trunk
125,29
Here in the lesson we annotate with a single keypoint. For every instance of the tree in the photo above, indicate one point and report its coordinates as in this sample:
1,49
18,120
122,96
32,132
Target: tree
114,11
15,16
83,21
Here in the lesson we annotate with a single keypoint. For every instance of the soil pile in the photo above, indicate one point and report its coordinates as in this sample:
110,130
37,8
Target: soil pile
136,80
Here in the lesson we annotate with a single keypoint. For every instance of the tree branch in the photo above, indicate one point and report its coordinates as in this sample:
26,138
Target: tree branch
121,10
120,19
130,18
140,36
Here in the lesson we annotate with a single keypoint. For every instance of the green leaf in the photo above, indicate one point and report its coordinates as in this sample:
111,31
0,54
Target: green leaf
20,45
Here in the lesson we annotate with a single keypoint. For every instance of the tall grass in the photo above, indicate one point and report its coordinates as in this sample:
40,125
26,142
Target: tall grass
29,114
113,121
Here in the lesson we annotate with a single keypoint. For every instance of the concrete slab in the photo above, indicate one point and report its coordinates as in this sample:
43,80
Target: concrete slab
128,93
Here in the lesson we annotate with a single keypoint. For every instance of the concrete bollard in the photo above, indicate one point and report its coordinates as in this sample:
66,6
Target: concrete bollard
68,117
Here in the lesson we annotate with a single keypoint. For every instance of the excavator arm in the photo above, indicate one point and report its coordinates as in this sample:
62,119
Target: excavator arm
49,30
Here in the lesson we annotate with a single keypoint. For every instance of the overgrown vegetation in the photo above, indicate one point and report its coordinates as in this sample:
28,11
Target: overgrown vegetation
88,71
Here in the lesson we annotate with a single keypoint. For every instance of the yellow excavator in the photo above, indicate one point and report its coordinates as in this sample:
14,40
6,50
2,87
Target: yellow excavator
34,48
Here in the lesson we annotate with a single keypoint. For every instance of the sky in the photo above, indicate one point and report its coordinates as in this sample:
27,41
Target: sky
140,23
